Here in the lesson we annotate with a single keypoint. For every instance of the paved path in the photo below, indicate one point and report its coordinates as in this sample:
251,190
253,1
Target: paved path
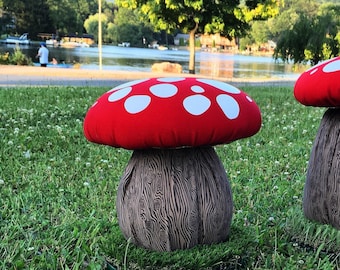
13,76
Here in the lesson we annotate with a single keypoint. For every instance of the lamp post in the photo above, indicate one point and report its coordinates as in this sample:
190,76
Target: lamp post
100,34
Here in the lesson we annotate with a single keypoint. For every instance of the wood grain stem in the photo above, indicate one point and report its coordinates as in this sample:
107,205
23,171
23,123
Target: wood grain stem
172,199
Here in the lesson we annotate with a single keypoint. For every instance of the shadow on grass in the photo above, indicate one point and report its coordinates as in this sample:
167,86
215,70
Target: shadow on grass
233,254
312,235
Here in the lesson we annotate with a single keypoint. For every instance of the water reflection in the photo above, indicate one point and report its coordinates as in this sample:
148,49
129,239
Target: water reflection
243,66
213,64
140,59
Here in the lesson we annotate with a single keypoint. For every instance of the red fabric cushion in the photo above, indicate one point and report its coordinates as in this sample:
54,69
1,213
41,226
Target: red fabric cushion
320,85
171,112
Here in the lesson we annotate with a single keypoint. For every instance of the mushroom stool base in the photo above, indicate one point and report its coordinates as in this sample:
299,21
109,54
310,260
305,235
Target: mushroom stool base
321,200
172,199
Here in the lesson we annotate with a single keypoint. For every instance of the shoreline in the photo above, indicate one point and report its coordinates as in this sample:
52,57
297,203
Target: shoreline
12,75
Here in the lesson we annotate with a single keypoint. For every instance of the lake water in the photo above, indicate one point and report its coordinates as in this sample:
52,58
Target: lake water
141,59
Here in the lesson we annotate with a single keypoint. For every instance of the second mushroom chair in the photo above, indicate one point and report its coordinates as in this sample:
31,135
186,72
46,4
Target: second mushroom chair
174,192
320,86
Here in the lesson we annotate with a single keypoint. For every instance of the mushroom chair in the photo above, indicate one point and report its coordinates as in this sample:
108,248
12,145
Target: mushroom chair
174,193
320,86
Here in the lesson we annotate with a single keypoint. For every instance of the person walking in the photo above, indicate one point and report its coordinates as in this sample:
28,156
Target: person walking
43,55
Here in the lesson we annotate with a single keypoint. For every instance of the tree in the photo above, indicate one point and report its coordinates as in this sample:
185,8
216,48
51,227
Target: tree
260,32
313,37
292,43
30,16
260,9
68,16
127,27
51,16
63,16
194,16
331,21
91,25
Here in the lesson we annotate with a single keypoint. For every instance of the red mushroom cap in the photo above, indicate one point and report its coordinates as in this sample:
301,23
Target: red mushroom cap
170,113
320,85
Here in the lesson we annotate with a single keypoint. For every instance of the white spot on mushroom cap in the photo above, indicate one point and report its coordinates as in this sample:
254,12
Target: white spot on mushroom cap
170,79
312,69
197,89
119,94
332,66
221,85
164,90
196,104
229,106
136,104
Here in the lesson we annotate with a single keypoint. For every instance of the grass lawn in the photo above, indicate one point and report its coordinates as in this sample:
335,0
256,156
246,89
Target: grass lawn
57,190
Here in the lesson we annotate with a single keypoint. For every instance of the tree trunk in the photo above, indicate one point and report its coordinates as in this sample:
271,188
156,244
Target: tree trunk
321,200
192,50
174,199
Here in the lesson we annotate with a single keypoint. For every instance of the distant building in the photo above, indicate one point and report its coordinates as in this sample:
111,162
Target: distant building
209,42
84,38
218,43
46,36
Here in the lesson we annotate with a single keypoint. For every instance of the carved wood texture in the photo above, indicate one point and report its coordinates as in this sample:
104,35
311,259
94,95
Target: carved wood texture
174,199
322,189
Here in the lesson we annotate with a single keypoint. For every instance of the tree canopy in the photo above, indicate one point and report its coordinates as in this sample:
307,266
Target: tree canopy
311,32
27,13
227,17
49,16
127,27
303,30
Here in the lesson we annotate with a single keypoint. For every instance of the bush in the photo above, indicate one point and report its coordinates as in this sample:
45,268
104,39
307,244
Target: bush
4,58
16,58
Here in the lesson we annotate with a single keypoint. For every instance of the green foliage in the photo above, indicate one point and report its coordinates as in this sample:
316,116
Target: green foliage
4,58
128,27
65,17
182,42
309,32
292,43
245,42
172,15
261,10
50,16
58,190
18,58
311,39
304,31
30,16
15,58
91,25
195,16
260,32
